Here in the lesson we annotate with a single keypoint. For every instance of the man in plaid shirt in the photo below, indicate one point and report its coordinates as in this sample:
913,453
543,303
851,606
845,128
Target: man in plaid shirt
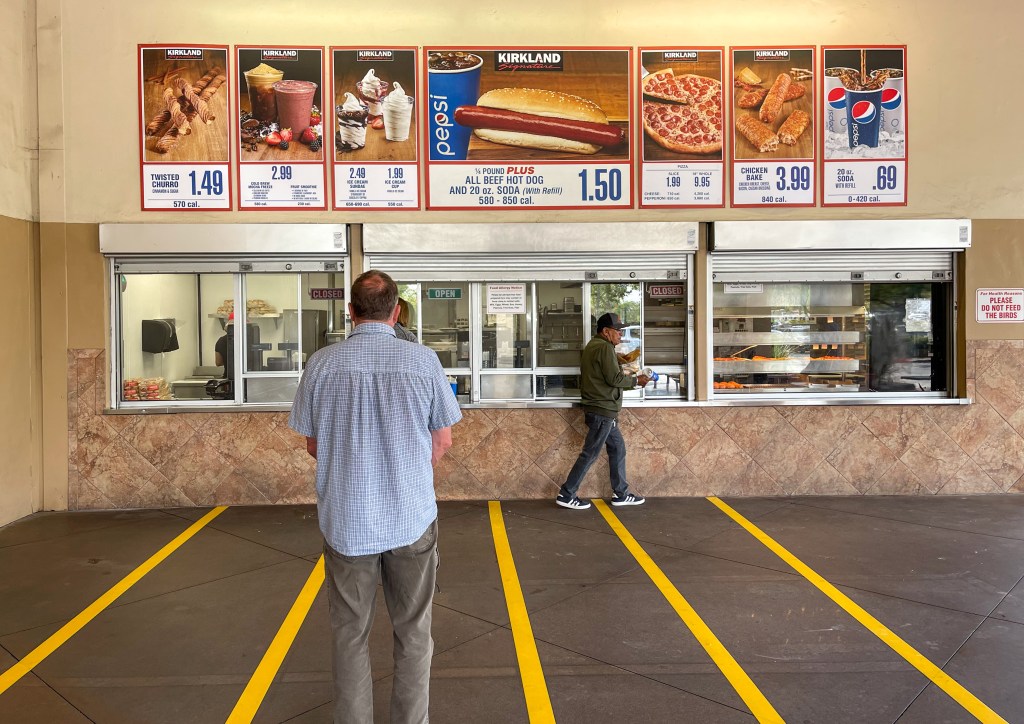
377,414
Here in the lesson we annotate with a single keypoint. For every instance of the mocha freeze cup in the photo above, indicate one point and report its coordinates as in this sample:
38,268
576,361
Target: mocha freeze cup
453,80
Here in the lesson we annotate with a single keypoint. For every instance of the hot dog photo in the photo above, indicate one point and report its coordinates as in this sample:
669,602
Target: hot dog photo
543,104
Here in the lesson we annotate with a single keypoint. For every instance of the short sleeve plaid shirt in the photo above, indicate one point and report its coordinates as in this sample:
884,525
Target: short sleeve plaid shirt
371,403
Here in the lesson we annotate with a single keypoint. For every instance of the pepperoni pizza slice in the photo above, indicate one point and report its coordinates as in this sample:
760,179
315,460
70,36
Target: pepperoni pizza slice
665,85
693,128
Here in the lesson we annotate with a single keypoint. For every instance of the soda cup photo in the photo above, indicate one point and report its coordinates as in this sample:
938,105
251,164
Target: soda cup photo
453,80
835,98
863,117
892,101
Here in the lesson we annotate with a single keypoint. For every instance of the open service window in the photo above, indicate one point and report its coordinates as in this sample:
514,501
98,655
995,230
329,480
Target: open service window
214,332
829,320
509,317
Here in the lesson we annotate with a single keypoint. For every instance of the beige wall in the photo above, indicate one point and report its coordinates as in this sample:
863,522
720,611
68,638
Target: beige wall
997,261
21,417
21,432
18,125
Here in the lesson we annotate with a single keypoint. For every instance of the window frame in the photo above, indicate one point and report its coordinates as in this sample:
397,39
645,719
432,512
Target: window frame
239,268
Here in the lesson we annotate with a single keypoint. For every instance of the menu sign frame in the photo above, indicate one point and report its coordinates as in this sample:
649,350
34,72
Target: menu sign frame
270,176
384,173
466,171
670,178
766,171
869,167
184,151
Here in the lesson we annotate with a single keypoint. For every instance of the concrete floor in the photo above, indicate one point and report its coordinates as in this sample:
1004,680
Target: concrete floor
944,574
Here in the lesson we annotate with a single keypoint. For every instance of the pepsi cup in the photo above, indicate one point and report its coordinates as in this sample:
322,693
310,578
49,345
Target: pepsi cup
892,102
863,117
453,80
835,100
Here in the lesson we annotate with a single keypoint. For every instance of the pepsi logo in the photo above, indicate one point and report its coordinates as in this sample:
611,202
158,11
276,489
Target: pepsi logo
891,99
837,98
863,112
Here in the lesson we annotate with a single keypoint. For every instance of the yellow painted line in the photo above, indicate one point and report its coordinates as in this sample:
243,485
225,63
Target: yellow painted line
759,706
10,677
535,688
937,676
255,691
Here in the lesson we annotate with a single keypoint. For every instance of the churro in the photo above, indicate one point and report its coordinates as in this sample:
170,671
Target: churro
201,107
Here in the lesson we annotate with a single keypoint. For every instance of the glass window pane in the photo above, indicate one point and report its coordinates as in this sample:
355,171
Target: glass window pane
170,325
558,386
831,337
560,324
665,338
622,299
506,329
506,387
330,314
409,300
269,344
444,316
907,337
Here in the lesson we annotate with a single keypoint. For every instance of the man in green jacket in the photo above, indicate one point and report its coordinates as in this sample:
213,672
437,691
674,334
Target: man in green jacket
602,384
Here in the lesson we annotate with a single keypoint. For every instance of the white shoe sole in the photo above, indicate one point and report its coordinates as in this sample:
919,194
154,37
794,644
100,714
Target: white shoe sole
630,502
572,507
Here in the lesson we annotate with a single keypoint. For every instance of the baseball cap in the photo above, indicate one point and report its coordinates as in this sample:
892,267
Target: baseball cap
609,319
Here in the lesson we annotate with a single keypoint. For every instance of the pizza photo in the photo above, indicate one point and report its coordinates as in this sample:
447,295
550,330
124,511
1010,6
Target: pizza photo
681,111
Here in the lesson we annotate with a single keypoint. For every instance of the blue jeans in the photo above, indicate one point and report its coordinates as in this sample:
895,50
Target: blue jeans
601,432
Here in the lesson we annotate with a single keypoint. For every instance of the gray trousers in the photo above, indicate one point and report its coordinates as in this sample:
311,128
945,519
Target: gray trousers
407,576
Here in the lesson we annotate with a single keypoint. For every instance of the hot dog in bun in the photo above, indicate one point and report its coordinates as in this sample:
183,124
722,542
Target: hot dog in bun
533,118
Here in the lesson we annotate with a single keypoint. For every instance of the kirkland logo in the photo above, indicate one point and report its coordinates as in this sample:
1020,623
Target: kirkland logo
680,55
181,53
375,55
276,54
528,60
771,55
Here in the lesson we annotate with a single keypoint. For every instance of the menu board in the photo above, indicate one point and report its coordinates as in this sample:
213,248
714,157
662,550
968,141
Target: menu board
373,117
528,128
184,153
864,125
773,126
682,113
281,161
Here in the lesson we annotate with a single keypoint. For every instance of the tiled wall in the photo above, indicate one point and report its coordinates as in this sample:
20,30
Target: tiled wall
206,458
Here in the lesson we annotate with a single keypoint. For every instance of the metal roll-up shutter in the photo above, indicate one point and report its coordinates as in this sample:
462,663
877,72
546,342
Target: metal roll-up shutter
833,265
500,266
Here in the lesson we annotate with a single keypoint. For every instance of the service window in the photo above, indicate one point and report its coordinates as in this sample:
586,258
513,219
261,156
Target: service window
206,336
506,348
439,316
561,336
832,338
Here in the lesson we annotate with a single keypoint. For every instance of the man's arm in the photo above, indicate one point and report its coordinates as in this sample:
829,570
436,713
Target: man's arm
311,446
612,371
440,441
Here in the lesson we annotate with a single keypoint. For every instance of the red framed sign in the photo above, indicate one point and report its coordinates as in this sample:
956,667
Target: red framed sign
863,96
528,127
682,122
374,128
184,116
773,112
281,161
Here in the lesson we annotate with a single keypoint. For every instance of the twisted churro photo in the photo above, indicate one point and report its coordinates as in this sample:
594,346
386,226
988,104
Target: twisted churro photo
184,105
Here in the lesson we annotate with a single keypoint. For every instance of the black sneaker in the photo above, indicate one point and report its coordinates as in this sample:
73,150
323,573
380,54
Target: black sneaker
572,502
628,498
